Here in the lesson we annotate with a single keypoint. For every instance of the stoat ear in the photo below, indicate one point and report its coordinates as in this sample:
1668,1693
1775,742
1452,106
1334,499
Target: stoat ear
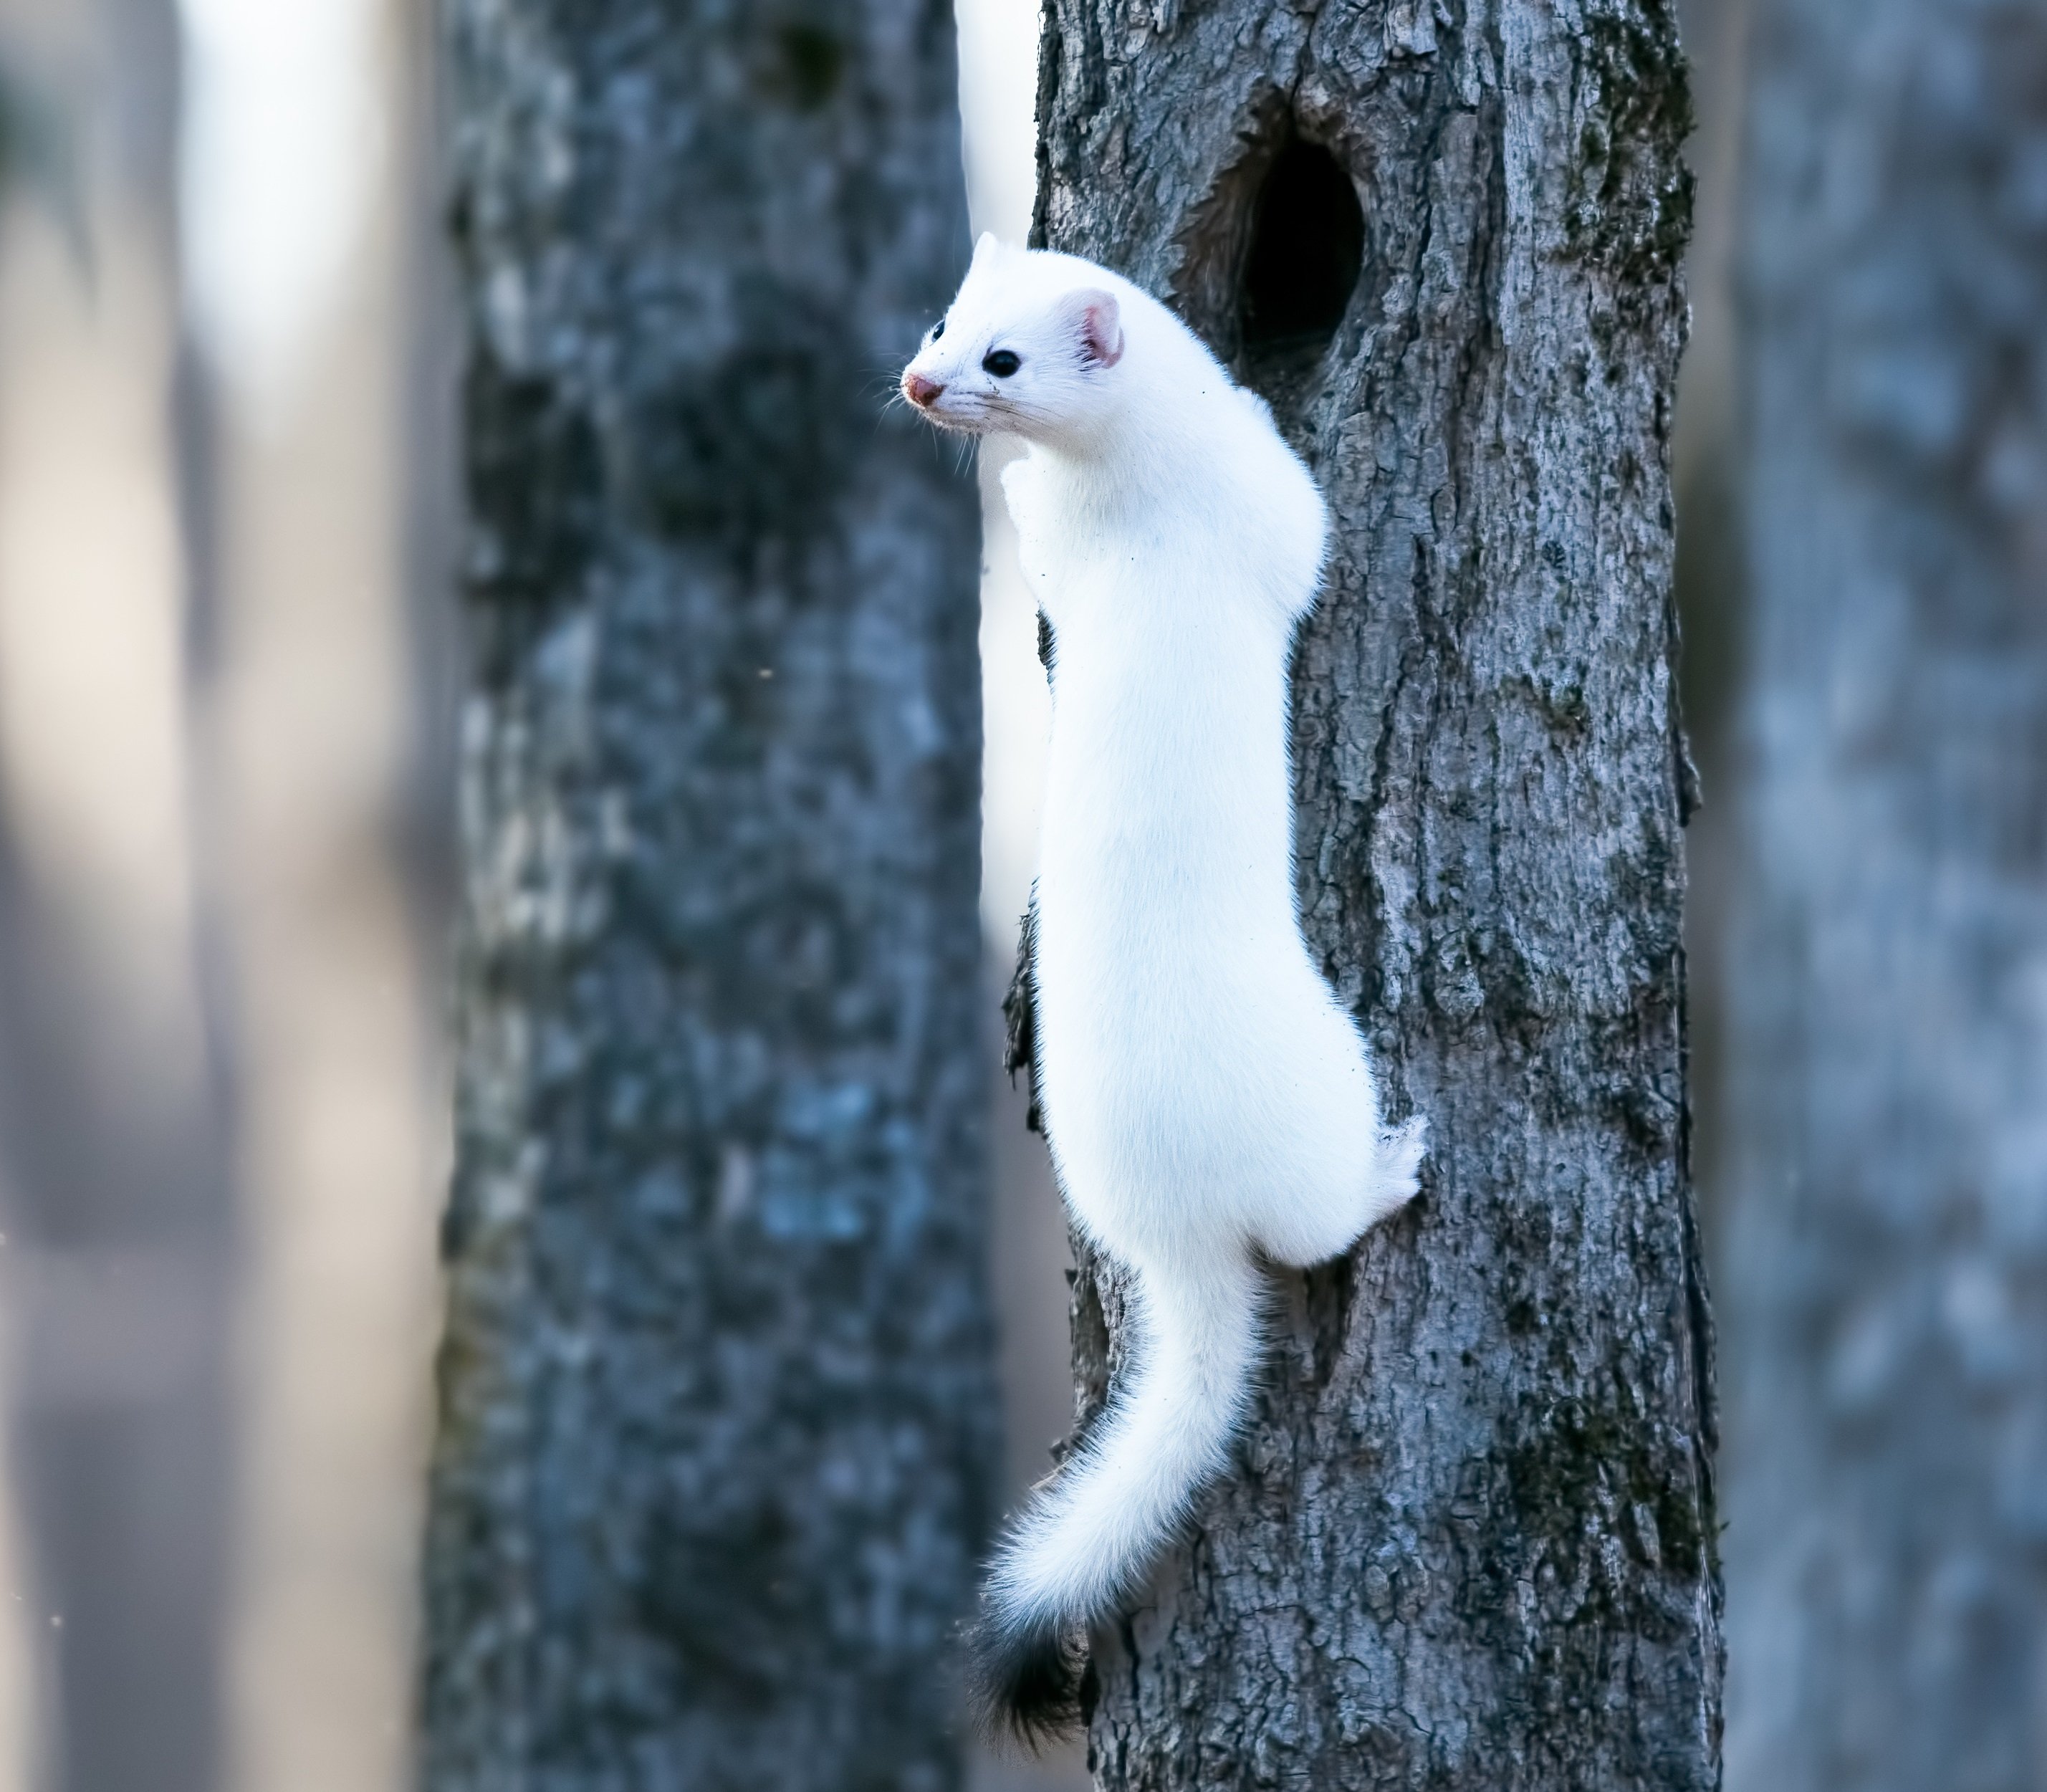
984,246
1099,325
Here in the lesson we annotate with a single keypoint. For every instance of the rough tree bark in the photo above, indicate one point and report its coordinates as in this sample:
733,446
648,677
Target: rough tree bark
1887,1004
1469,1539
717,1433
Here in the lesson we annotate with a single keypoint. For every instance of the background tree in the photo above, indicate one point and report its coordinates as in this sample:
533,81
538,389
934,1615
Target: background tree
1470,1538
117,1044
1887,1014
718,1430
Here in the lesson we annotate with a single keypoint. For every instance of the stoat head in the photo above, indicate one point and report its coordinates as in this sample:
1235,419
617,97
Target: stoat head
1033,346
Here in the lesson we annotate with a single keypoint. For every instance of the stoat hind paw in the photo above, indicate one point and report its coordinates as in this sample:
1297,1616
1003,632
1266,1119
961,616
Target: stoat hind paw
1401,1151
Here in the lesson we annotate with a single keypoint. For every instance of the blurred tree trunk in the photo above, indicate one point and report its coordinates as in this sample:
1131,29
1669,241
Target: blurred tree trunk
718,1430
1888,1005
117,1175
1469,1541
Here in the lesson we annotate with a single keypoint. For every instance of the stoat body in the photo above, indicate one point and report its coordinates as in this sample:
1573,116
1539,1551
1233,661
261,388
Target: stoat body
1207,1102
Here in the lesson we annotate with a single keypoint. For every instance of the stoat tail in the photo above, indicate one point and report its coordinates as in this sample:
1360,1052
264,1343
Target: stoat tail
1086,1539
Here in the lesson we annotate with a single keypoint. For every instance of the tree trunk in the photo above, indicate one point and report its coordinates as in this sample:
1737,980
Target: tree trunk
1468,1541
717,1431
119,1221
1888,1016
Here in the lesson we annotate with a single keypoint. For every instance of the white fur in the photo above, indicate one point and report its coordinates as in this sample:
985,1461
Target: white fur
1207,1100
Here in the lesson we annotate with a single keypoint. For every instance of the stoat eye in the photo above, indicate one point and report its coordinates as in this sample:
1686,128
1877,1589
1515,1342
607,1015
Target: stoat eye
936,330
1001,364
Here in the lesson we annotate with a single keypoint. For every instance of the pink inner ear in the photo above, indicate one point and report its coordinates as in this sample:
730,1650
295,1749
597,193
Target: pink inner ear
1101,329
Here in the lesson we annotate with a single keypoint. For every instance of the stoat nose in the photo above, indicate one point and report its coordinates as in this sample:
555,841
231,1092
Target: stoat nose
919,391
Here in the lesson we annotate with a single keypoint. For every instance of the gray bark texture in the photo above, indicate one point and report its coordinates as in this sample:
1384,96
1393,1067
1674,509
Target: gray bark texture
1468,1541
1886,1237
718,1430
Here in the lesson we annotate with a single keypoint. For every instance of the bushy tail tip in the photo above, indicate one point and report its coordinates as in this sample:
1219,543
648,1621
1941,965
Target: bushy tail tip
1023,1681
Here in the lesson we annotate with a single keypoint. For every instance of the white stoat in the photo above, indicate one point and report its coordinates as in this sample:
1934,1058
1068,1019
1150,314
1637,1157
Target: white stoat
1207,1100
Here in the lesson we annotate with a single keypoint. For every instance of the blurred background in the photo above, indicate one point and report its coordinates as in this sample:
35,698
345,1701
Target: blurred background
229,679
226,676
